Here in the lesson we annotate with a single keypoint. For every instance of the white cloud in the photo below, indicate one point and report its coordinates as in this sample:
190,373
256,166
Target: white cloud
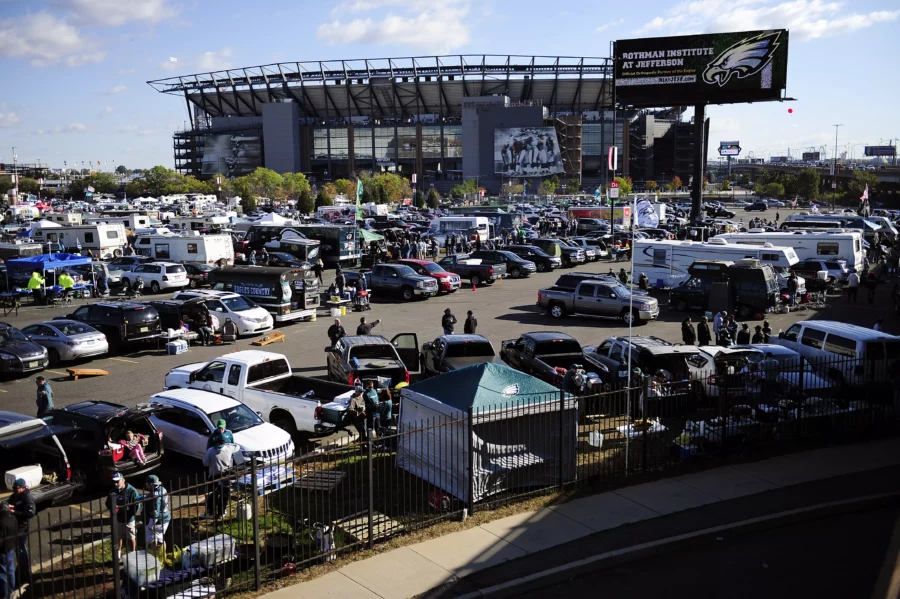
806,19
70,128
118,12
45,40
606,26
107,110
169,65
215,61
8,119
133,130
421,24
116,89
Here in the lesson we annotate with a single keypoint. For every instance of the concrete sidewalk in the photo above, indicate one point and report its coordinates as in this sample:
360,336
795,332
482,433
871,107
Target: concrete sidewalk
416,569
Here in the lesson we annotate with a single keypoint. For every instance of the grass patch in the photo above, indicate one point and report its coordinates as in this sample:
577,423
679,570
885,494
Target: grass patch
98,556
242,530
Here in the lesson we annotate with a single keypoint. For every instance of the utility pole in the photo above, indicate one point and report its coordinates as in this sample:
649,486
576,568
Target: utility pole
16,173
834,169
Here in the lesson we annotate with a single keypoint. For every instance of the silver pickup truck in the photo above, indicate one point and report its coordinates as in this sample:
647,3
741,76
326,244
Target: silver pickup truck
595,297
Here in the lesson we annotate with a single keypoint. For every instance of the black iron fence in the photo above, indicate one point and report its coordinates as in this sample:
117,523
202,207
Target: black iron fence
263,521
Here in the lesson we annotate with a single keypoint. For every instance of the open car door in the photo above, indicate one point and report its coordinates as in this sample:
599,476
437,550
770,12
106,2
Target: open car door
407,346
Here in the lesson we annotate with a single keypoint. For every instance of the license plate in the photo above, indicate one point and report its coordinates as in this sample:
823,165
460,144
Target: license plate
144,329
89,342
31,365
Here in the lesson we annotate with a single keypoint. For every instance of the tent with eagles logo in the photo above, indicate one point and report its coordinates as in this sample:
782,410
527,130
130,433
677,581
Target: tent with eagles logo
521,431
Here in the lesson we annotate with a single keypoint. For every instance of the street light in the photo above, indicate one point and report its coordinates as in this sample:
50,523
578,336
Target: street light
834,169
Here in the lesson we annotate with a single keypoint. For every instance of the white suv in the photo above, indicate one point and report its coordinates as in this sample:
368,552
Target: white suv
157,276
247,315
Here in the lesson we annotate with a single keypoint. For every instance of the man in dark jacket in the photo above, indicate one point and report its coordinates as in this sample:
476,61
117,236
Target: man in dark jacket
44,396
126,510
688,334
9,530
743,336
703,334
336,332
758,335
24,510
365,328
470,326
448,321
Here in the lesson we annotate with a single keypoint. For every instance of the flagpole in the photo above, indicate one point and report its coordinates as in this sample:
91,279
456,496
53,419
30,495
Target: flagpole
630,324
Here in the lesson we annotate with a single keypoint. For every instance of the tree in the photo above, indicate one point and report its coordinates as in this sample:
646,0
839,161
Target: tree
133,189
724,185
420,199
675,184
5,185
710,177
434,198
347,188
122,169
512,188
28,185
292,186
158,179
305,202
858,185
547,187
808,183
322,199
651,185
264,182
330,192
573,185
625,185
393,188
745,179
774,189
461,189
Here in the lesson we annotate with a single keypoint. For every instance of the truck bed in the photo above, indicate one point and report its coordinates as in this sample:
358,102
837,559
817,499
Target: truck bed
303,386
561,360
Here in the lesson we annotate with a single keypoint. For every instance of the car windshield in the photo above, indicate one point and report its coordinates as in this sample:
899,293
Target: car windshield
238,303
11,336
621,290
204,267
433,268
75,328
287,258
239,418
469,349
404,271
509,256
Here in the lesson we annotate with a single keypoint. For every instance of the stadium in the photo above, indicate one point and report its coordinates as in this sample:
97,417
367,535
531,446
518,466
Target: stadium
442,118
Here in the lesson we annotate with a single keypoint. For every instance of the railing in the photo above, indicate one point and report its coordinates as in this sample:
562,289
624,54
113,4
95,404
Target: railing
439,463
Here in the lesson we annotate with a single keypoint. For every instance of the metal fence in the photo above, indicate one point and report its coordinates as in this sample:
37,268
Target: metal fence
310,509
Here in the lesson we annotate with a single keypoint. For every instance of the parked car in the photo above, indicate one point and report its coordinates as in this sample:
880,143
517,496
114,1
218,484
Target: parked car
545,355
570,255
18,353
373,356
599,297
27,442
772,203
452,352
127,263
809,269
91,272
249,317
473,269
94,435
757,206
543,262
516,266
158,276
67,340
447,281
718,212
396,279
124,323
198,274
188,416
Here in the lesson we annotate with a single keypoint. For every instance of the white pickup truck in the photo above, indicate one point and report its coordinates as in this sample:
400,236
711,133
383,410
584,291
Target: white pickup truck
264,381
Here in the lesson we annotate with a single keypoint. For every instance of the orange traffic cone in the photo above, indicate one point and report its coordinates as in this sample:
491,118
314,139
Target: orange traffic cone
474,288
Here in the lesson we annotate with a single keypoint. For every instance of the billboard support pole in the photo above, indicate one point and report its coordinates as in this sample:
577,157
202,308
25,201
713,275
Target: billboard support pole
699,154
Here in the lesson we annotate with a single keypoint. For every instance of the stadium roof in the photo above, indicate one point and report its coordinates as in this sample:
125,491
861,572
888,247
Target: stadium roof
389,87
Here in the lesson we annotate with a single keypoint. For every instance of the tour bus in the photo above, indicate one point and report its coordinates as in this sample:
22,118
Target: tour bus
339,244
104,241
831,244
286,293
666,262
462,225
208,249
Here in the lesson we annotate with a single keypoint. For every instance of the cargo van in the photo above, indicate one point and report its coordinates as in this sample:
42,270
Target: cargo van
206,249
749,287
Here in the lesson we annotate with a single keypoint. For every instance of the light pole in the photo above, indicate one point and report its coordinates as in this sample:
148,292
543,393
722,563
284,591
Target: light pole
834,169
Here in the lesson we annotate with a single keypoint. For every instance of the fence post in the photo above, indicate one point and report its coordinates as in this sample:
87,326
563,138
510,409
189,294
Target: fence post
471,456
117,580
800,397
645,392
254,509
371,484
562,406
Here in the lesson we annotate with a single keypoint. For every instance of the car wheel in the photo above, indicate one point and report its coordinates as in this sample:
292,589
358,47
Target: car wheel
744,312
556,310
566,262
541,267
628,317
681,306
515,273
407,294
285,424
126,282
53,355
192,283
476,280
154,287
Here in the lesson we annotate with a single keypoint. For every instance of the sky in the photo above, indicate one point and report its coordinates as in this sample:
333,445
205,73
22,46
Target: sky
75,71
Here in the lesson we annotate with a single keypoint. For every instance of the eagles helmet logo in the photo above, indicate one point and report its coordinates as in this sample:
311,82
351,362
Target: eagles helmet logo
747,57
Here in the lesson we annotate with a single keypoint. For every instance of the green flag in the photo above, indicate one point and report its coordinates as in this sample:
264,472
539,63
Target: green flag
359,192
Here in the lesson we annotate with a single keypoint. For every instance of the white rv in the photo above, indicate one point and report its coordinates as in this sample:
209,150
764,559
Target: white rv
198,222
132,221
831,244
65,218
207,249
666,262
104,240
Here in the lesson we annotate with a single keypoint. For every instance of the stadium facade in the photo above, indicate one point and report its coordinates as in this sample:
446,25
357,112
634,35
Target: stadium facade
442,118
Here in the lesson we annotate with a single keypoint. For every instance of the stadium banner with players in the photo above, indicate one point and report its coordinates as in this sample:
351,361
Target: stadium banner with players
720,68
527,152
232,154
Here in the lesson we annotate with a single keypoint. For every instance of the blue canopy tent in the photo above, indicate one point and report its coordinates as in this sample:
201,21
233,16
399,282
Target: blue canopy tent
45,263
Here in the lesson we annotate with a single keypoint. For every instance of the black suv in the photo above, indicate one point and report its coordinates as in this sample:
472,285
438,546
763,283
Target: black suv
91,433
123,323
18,353
757,205
516,266
542,260
127,263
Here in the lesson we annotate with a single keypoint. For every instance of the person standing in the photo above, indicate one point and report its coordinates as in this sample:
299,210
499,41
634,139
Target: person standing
743,336
24,509
757,336
688,334
852,286
218,460
36,287
336,332
767,331
703,334
643,282
719,323
623,276
470,326
371,400
44,395
878,324
356,411
126,510
340,281
792,288
448,321
158,515
9,532
221,435
318,268
365,328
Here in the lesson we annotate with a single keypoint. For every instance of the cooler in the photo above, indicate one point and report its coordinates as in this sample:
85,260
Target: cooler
32,475
179,346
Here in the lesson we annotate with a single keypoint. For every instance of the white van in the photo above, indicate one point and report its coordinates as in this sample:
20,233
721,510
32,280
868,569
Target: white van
104,241
207,249
831,244
846,352
249,317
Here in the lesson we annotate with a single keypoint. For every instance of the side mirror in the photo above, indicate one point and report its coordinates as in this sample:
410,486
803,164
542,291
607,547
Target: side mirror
192,377
781,335
426,346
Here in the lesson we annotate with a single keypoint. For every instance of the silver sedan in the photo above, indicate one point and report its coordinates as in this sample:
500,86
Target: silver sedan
67,340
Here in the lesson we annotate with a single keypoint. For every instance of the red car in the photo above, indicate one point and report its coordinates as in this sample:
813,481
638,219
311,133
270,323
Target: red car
447,281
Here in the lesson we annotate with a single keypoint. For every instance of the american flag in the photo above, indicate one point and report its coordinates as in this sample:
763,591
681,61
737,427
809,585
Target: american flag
865,195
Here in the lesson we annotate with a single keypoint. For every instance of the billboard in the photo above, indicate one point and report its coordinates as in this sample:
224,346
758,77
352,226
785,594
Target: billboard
231,154
811,156
729,148
719,68
527,152
881,150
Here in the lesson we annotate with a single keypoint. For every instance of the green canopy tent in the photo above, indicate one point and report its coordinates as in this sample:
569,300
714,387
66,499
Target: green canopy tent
515,431
369,236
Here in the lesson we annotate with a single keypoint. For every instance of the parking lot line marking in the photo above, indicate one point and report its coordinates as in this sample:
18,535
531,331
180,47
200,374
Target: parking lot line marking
3,391
57,372
124,360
